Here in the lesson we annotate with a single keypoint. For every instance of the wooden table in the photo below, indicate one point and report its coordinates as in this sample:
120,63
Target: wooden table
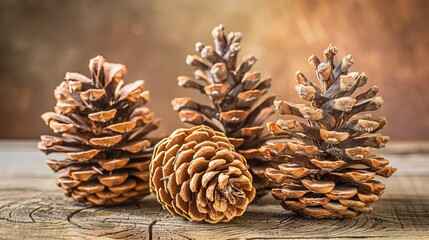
31,206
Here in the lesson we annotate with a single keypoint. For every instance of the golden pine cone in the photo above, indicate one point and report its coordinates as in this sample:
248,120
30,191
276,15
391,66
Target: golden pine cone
196,173
239,99
101,127
328,169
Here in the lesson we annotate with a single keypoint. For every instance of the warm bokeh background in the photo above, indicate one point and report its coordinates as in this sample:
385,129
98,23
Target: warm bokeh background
42,40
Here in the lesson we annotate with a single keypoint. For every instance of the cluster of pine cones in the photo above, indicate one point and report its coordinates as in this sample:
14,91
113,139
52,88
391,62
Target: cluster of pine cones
321,167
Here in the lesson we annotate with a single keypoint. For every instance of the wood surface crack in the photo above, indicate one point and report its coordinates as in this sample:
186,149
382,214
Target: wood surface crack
117,232
175,233
70,216
31,213
398,217
150,228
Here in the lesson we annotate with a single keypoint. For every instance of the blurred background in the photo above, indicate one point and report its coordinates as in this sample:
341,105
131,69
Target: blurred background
42,40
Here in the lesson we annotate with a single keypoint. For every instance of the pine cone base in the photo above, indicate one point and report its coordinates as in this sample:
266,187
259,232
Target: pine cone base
101,187
341,202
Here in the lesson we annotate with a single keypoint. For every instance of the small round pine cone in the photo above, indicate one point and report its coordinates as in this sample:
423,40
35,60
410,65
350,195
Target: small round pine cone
197,174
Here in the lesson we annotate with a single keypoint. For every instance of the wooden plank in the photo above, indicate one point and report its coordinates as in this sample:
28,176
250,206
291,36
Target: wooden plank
36,208
31,206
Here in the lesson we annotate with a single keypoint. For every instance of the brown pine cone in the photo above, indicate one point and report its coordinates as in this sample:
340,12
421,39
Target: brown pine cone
240,102
328,169
196,173
101,127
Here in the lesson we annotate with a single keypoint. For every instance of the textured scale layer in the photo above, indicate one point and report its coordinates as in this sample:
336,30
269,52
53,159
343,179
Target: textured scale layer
101,127
328,169
196,173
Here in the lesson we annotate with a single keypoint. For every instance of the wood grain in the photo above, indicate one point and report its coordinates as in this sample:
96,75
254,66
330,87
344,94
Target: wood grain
31,206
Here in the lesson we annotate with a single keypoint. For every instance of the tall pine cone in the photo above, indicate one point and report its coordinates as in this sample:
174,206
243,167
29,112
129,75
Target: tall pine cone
101,127
196,173
239,102
328,170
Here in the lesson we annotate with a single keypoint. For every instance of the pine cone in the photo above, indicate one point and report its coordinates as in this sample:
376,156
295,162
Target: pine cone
101,126
239,103
328,170
196,173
